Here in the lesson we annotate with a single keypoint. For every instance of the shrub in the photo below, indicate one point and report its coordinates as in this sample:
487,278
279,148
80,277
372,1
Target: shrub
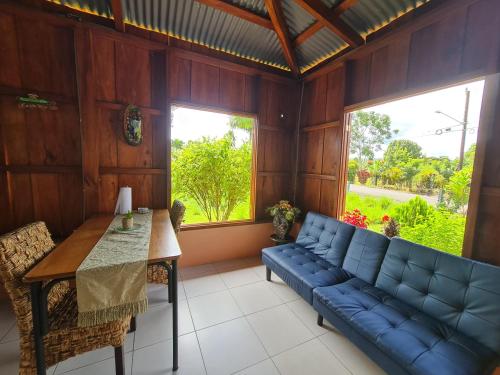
363,176
458,189
428,179
413,212
352,170
442,230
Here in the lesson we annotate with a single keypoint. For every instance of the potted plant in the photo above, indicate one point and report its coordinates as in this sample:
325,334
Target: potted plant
284,215
128,220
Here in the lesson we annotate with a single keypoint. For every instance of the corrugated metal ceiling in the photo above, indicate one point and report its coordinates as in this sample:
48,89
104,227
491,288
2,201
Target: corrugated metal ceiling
199,23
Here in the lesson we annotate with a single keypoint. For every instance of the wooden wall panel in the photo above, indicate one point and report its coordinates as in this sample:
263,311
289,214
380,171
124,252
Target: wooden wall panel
311,151
179,80
232,90
133,74
10,74
320,142
436,50
104,66
205,84
41,149
482,37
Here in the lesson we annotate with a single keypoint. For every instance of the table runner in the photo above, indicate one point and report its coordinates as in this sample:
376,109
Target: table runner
111,281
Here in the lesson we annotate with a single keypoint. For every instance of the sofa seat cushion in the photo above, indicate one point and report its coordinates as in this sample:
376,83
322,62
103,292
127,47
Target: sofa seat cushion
301,269
416,341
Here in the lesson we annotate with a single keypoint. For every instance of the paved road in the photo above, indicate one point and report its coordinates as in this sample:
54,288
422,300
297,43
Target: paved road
400,196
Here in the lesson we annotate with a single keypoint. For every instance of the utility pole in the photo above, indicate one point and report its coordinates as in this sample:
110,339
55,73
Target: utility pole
464,129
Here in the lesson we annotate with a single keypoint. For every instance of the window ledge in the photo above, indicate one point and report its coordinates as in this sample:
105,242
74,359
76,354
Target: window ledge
188,227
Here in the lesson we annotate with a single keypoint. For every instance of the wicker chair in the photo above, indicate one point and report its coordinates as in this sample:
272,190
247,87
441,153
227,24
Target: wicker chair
21,250
158,274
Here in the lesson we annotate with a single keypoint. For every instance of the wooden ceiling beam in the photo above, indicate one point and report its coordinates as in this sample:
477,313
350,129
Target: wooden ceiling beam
278,19
116,8
331,20
236,11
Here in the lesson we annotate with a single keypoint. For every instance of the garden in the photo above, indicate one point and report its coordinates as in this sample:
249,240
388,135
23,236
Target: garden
403,167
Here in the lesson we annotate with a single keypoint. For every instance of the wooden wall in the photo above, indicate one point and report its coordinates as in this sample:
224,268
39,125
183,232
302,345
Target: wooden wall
457,41
40,151
321,143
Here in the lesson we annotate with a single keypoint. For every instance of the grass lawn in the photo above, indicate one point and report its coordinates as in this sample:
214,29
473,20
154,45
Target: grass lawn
373,207
194,214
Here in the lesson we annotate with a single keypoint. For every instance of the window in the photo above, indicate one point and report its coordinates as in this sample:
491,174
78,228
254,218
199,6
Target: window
411,160
212,165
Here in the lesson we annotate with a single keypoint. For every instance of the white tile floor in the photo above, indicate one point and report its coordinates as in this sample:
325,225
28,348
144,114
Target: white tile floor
231,321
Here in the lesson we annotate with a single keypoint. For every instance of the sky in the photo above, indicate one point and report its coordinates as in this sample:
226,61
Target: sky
417,120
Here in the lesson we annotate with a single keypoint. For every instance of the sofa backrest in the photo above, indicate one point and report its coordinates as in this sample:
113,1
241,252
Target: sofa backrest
326,237
365,254
461,292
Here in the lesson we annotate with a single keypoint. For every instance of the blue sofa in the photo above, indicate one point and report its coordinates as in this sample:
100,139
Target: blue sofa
412,309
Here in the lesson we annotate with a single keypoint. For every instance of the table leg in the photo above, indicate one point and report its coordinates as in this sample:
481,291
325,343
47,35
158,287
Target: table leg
36,308
175,316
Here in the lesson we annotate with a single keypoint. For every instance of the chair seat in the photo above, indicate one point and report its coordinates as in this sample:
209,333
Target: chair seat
301,269
419,343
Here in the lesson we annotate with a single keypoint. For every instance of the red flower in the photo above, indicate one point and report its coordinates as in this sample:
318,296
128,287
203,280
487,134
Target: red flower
356,218
386,218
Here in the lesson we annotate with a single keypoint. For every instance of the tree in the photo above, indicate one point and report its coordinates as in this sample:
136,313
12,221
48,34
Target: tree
369,131
429,179
215,173
458,190
469,156
376,168
393,176
352,170
241,123
402,151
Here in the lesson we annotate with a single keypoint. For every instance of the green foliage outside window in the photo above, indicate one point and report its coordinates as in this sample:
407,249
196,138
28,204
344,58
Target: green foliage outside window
213,175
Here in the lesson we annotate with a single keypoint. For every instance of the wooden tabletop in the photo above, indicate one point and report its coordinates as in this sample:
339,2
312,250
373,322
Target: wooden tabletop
65,259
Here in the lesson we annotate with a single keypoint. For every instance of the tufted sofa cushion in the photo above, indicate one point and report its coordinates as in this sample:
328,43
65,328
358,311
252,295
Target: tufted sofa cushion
416,342
459,292
301,269
365,254
326,237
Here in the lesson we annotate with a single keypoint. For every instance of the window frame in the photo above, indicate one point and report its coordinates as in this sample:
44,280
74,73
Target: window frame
253,180
480,146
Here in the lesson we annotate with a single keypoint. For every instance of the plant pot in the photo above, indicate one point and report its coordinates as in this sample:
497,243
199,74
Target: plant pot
282,227
128,223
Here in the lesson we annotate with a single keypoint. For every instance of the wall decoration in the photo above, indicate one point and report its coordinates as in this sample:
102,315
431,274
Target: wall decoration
132,125
33,101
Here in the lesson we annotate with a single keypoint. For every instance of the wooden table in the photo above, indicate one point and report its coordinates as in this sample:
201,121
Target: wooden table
62,263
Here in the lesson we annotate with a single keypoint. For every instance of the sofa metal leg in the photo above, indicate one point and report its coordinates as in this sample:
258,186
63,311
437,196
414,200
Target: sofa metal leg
320,320
268,274
119,361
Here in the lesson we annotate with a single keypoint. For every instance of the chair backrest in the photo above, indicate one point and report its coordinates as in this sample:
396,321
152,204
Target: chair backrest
325,236
20,250
460,292
177,215
365,254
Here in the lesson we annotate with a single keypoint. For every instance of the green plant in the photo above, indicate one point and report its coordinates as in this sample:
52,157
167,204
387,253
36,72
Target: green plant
393,176
215,173
285,209
413,212
353,167
129,215
458,189
428,179
441,230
